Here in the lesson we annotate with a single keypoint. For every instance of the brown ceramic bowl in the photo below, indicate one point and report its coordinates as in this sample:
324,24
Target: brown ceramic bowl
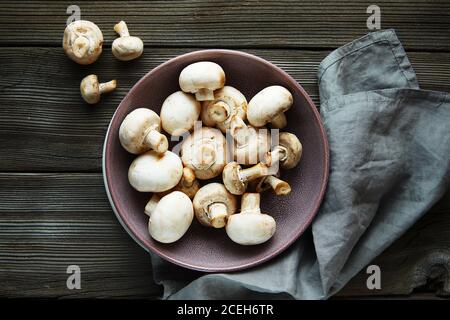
209,249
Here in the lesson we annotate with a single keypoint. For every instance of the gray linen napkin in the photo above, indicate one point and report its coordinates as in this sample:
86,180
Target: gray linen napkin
390,162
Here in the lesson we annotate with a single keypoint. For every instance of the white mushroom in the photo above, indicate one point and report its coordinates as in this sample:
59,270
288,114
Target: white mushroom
202,78
188,184
252,147
213,204
83,41
204,151
91,89
279,187
169,217
287,153
140,132
179,113
126,47
269,105
236,179
250,226
227,111
151,172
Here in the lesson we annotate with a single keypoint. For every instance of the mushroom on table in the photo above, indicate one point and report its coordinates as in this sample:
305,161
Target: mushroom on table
126,47
269,106
91,89
83,41
140,132
202,78
169,216
213,204
250,226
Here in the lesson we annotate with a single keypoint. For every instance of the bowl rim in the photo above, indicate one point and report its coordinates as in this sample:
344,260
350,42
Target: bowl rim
149,248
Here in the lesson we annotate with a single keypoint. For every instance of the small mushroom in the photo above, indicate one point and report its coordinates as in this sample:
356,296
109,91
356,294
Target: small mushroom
269,105
287,153
83,41
252,147
188,184
204,151
91,89
213,204
202,78
227,111
236,179
152,172
169,216
280,187
250,226
140,132
179,113
126,47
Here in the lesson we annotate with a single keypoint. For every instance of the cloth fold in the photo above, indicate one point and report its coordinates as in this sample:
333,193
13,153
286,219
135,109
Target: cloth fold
389,163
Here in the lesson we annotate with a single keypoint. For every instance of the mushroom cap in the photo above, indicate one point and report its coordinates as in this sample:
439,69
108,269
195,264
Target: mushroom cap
135,127
234,99
179,113
204,151
293,148
171,217
232,180
250,228
127,48
256,145
89,88
151,172
267,104
201,75
210,194
83,41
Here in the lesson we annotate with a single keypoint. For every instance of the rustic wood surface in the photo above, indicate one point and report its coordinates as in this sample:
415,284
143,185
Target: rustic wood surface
53,207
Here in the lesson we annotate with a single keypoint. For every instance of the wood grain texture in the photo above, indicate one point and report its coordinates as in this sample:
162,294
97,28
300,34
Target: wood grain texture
422,24
50,221
46,126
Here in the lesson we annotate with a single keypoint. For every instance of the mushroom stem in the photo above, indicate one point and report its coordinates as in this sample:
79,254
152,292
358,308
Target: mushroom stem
80,46
204,94
257,171
279,121
217,212
107,86
151,205
219,111
205,157
250,203
122,29
278,154
156,141
280,187
238,130
188,178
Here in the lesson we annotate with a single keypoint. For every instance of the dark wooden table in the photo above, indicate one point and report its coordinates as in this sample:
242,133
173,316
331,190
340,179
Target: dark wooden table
53,207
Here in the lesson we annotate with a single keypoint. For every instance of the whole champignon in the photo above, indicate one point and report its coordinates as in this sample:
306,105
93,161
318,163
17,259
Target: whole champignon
269,105
83,41
91,89
279,187
204,151
140,132
179,113
250,226
188,184
236,179
202,78
252,147
213,204
227,111
287,153
126,47
169,217
152,172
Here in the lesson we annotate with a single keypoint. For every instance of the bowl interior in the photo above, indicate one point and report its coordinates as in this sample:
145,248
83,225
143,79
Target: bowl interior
210,249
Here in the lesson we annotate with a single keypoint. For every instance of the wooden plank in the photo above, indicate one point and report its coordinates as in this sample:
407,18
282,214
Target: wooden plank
46,126
50,221
422,24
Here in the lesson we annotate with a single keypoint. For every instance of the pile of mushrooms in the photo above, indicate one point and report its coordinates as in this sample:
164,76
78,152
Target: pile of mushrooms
232,146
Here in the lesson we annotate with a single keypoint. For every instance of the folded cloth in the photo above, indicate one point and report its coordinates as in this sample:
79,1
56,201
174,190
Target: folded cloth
389,163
